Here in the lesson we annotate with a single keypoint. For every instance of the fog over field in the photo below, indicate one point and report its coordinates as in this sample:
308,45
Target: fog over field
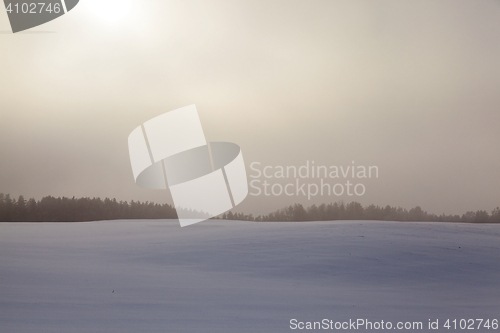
380,110
408,86
233,276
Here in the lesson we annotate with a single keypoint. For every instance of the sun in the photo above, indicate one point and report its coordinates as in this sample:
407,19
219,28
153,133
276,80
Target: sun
111,12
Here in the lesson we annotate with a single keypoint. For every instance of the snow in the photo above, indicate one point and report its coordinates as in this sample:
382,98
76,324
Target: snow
232,276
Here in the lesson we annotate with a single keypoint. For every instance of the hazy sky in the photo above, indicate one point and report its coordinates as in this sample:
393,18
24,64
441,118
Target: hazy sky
412,87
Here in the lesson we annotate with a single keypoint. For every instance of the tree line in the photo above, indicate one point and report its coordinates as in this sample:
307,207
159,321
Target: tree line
355,211
51,209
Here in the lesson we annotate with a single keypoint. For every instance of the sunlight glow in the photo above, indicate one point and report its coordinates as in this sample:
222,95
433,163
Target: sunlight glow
112,12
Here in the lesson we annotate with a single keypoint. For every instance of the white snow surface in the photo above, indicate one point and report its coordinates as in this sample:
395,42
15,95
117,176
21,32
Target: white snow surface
233,276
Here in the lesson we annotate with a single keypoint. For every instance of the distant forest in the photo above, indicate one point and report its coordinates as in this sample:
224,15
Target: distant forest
51,209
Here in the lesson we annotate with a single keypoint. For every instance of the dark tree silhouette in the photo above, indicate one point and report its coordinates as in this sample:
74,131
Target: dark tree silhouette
355,211
51,209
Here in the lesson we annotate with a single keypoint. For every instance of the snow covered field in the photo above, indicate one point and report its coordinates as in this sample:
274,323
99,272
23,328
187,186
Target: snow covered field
231,276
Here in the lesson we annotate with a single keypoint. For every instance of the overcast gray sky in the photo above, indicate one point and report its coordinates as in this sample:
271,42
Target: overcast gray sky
410,86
